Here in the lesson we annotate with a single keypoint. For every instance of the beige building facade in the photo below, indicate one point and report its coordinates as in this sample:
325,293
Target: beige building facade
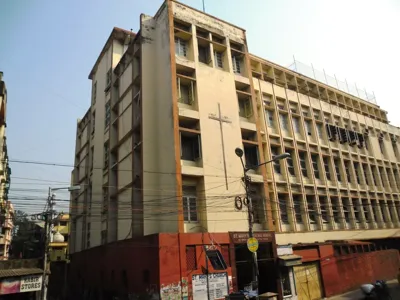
156,149
6,207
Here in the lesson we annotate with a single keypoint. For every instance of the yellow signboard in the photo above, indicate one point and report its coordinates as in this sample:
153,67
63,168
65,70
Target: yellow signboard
252,244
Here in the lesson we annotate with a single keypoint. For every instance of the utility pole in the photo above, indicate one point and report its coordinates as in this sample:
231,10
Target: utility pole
250,211
250,216
48,215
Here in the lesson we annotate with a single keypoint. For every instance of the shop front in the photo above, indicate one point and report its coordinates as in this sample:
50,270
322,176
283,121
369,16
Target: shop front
268,281
287,261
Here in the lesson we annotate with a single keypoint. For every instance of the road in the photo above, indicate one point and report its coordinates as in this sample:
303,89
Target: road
357,295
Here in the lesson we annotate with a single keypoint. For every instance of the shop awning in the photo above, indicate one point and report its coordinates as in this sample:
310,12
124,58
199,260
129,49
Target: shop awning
290,260
20,272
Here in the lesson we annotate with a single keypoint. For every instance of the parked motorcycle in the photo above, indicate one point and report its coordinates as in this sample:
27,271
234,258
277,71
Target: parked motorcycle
378,290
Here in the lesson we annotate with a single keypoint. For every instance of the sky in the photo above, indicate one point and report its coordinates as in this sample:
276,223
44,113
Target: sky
47,49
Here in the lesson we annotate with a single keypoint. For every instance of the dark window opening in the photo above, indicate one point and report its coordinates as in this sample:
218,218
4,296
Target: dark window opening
251,155
204,54
190,146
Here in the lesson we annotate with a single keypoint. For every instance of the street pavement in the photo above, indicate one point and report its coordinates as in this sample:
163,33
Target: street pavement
357,295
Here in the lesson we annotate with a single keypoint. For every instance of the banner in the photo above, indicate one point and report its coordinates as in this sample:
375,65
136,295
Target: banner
21,284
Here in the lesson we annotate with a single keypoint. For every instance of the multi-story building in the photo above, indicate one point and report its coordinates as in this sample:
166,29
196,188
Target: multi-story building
58,246
156,148
6,208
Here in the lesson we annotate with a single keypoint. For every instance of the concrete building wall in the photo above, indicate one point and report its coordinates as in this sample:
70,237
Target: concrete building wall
7,214
160,197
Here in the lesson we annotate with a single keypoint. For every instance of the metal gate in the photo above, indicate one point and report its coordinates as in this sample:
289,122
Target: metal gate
308,281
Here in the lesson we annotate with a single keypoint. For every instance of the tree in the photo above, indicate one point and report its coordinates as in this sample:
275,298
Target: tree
27,237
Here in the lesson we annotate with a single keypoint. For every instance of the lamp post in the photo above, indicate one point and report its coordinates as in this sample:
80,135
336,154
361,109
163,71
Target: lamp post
250,213
48,215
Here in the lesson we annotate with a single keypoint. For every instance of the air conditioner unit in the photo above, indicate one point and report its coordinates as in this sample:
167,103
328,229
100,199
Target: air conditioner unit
366,132
394,139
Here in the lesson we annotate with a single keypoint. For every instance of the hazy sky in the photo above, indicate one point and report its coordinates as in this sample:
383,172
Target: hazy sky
47,49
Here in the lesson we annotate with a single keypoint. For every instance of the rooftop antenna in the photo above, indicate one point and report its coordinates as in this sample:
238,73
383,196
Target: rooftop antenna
204,8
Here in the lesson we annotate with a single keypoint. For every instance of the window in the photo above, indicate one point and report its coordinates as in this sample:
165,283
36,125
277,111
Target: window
365,207
105,200
108,79
285,277
283,210
296,125
91,158
389,176
326,167
93,122
381,146
185,92
346,209
320,131
375,211
290,165
251,155
190,146
284,121
356,209
204,54
374,170
256,202
189,199
94,92
297,208
324,203
335,209
384,215
365,173
395,149
392,211
396,178
308,127
218,59
275,163
236,64
303,164
314,159
270,118
106,154
180,47
245,108
107,117
380,171
311,209
347,170
356,169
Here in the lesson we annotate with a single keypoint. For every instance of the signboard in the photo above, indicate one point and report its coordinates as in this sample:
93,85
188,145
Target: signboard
252,244
31,283
21,284
242,237
215,283
284,250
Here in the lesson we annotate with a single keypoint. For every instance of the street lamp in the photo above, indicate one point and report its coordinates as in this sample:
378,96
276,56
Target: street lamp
239,152
48,219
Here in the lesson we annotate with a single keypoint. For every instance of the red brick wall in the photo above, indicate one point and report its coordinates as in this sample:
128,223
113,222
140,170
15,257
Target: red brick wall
348,272
163,255
94,267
